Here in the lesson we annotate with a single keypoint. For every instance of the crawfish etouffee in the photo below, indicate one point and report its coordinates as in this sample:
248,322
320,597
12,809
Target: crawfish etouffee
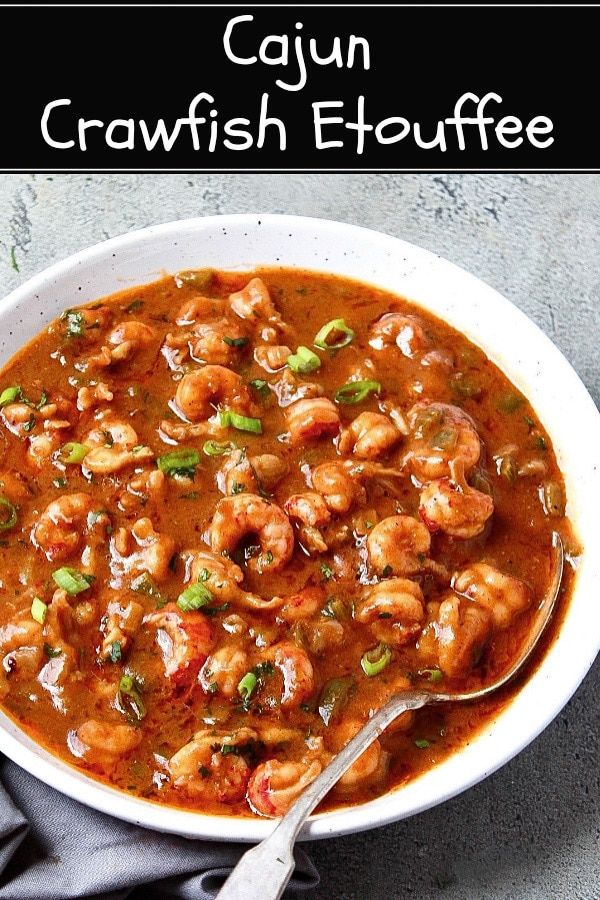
237,511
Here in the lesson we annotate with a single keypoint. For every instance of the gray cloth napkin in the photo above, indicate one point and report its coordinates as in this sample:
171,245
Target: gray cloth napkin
55,848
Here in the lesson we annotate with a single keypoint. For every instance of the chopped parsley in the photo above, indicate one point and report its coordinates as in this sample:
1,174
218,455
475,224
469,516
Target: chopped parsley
326,571
115,653
260,386
75,323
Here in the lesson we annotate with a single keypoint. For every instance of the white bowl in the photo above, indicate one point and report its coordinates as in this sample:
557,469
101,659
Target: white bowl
521,350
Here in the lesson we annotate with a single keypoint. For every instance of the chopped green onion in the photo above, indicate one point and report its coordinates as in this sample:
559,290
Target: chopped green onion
144,584
480,483
509,402
30,423
10,394
444,439
336,608
129,698
553,499
433,675
540,443
303,361
228,418
247,685
194,597
422,743
179,462
39,610
235,342
426,420
72,452
8,514
52,652
334,697
374,661
335,327
465,386
507,467
72,581
115,652
214,448
134,306
356,391
260,385
200,278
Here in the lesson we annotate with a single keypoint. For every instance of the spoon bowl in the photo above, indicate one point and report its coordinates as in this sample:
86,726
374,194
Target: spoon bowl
264,871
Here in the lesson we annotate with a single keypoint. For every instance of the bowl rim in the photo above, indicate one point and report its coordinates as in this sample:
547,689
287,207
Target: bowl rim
384,810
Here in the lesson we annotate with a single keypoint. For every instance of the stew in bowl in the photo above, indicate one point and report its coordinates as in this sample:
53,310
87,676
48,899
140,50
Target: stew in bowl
238,511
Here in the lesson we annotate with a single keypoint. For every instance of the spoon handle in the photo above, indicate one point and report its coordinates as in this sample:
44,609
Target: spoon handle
264,871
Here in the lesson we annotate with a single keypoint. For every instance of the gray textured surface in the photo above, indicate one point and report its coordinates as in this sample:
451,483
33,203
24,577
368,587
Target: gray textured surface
533,829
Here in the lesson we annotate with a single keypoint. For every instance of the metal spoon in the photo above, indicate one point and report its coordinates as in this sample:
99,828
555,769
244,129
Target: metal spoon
264,871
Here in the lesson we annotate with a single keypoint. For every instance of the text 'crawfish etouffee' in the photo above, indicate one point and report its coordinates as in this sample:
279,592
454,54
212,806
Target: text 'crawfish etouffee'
237,512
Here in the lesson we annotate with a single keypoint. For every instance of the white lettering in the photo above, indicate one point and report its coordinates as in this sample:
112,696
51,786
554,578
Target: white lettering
82,126
509,125
239,60
319,121
265,120
58,145
128,142
360,127
160,134
387,123
363,43
233,132
545,126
